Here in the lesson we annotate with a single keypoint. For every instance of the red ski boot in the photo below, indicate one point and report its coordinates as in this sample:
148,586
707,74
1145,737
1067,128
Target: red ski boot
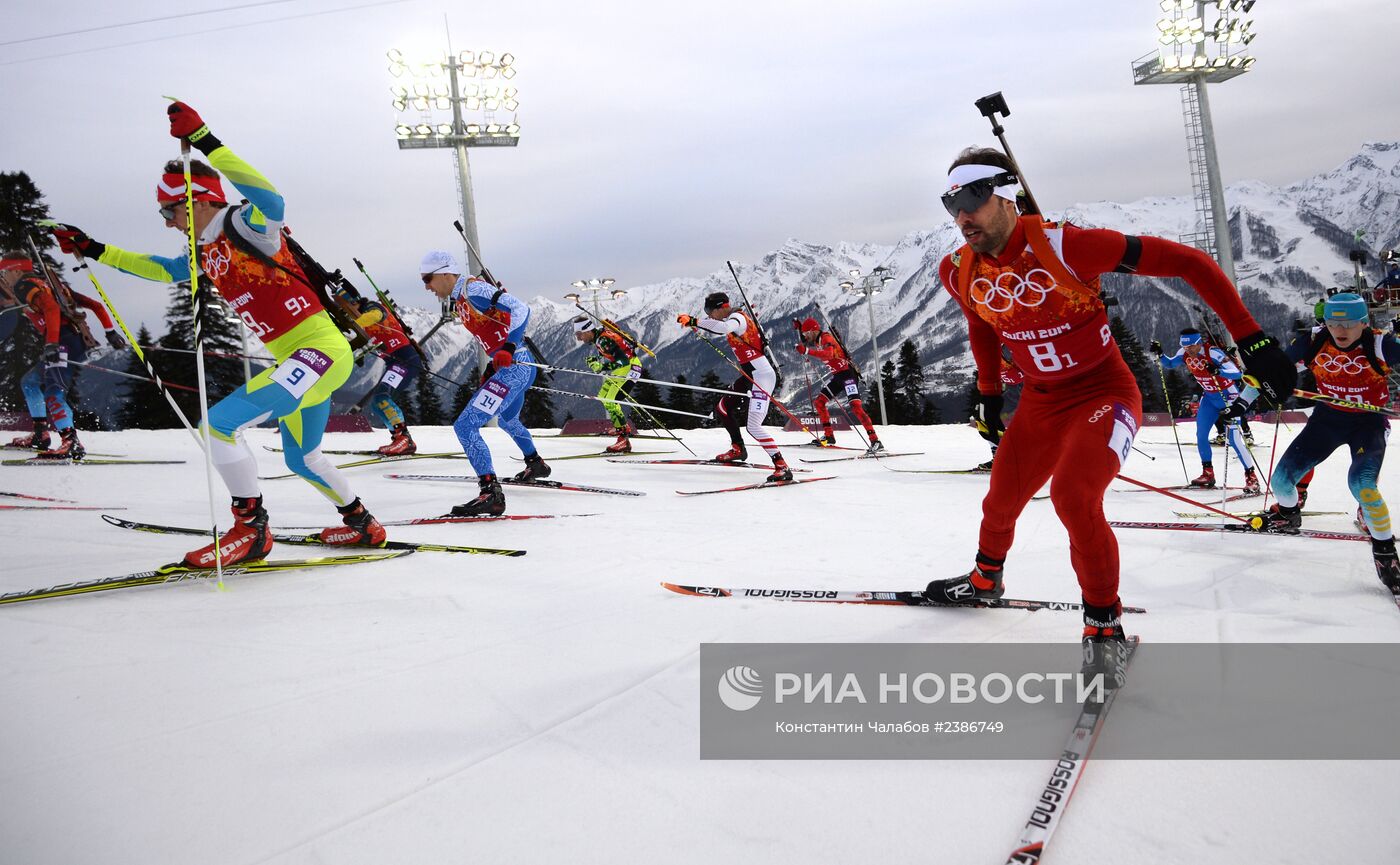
401,444
1207,478
247,541
361,528
735,454
623,445
781,472
69,448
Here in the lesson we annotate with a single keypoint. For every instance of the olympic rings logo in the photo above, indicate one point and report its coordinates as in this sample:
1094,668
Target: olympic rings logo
1342,363
1100,413
1004,294
216,261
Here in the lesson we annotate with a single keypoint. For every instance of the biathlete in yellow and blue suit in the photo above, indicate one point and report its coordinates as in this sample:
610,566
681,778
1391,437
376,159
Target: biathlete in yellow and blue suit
242,251
616,357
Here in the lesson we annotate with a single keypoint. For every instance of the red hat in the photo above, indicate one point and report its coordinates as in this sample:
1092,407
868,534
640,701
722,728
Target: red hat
172,188
809,325
22,264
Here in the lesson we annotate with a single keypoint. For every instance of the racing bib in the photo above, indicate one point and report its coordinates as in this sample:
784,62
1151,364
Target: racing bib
393,376
491,397
852,388
1125,427
300,372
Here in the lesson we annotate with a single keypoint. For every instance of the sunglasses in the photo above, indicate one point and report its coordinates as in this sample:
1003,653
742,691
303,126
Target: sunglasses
970,196
428,277
168,211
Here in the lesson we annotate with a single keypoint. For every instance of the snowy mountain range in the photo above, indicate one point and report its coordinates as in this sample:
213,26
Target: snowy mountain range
1290,243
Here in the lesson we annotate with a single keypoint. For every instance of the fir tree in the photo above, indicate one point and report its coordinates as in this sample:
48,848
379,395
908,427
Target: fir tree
223,368
427,404
538,411
683,399
895,409
1149,382
465,393
143,406
909,378
645,393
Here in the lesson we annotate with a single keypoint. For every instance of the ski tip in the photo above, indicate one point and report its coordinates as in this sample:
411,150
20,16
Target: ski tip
695,591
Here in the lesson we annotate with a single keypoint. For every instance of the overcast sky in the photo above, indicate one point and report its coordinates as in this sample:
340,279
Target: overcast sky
659,138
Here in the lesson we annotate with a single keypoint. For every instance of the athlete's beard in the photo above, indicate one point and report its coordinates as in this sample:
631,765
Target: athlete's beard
992,232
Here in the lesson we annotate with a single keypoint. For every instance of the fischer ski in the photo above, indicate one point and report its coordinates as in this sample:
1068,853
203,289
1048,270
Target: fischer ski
1207,515
315,540
889,599
448,518
1240,528
598,455
511,482
33,451
740,465
881,455
1064,778
763,485
177,572
52,461
376,460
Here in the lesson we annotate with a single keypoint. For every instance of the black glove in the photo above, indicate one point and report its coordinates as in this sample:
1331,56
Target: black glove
1239,408
72,240
987,415
115,340
1155,347
53,355
1267,363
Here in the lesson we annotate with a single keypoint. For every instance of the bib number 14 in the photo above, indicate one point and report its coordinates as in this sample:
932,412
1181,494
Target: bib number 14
1047,359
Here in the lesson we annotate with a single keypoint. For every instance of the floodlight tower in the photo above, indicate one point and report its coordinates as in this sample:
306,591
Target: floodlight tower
1185,31
594,287
867,287
473,97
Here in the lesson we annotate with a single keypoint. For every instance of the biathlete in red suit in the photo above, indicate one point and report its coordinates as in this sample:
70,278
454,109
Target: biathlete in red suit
844,383
1034,287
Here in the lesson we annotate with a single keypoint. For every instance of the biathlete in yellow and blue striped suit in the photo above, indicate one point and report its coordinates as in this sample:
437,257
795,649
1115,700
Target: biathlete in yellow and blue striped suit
242,251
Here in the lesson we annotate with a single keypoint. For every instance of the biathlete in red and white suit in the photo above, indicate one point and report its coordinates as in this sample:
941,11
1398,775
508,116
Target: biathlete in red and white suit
844,383
1351,361
1033,287
242,252
752,391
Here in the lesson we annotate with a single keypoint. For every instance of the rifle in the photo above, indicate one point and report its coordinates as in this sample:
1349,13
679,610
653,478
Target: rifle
609,324
393,309
63,296
836,334
324,283
762,335
489,277
991,106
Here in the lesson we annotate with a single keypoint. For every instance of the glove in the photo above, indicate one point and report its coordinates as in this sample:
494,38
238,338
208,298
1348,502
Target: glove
115,340
800,348
987,415
594,362
504,356
73,241
186,123
1266,362
687,320
1155,347
1239,408
53,355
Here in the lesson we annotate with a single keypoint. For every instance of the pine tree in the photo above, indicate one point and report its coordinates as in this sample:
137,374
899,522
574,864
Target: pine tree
143,406
683,399
427,404
896,410
465,392
706,401
1149,383
909,377
538,411
175,360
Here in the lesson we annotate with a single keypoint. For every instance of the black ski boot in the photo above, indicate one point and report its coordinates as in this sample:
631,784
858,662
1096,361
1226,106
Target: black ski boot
490,500
1105,645
535,469
1282,520
1387,564
982,583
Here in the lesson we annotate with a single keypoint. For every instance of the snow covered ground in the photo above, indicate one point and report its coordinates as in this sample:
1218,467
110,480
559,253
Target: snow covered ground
443,708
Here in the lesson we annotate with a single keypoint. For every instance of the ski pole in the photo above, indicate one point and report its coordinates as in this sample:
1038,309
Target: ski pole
654,419
782,408
128,375
620,402
654,381
1170,494
196,305
1343,403
391,307
1144,453
1171,416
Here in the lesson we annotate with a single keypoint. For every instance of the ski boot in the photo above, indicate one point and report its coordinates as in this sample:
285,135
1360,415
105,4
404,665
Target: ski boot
1207,478
982,583
1360,520
535,469
781,472
247,541
69,448
1387,564
1281,520
1219,440
1249,439
735,454
1302,495
876,447
401,445
826,440
490,501
1251,483
360,529
37,440
984,467
623,445
1105,645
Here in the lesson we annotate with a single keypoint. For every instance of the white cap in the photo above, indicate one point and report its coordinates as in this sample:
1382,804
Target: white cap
437,261
583,323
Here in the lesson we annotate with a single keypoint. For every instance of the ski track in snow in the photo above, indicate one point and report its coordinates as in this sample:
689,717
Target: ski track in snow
444,708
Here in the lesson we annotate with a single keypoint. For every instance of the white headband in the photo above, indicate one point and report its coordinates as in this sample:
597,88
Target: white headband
965,174
582,324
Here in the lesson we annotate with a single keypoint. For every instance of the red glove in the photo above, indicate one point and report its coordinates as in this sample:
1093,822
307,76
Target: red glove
186,123
504,356
801,349
686,320
73,241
